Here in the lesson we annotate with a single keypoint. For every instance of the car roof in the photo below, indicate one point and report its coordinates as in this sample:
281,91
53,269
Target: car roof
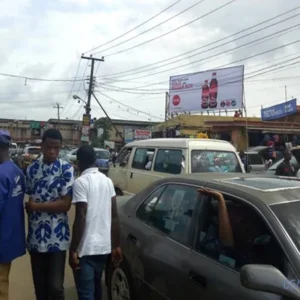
266,188
183,143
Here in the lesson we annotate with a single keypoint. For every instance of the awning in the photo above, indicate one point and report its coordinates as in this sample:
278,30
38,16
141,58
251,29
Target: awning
276,130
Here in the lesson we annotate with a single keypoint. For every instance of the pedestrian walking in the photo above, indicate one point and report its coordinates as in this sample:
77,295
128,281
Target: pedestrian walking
244,160
96,231
12,227
49,184
286,168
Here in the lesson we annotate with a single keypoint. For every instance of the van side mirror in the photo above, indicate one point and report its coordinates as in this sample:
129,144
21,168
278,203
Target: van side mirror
266,278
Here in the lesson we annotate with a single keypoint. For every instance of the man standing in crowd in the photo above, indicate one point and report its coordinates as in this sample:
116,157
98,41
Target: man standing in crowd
286,168
244,160
12,227
96,231
49,184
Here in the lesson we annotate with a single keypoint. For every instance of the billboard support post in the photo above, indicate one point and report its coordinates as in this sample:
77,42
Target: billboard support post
246,116
166,114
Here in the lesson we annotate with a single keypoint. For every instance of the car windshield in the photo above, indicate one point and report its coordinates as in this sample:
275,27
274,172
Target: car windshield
102,154
288,214
34,151
214,161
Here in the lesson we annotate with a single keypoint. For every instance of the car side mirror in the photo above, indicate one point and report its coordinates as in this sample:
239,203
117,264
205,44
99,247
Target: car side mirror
266,278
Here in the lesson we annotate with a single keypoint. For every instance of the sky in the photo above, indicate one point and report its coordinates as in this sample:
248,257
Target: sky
142,46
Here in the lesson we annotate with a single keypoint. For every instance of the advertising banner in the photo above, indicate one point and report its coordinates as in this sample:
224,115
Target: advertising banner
220,89
142,134
128,134
279,111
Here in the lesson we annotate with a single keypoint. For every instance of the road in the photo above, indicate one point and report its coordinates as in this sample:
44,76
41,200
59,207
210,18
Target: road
21,285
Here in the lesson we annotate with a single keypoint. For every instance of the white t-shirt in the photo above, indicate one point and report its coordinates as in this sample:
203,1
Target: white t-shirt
96,190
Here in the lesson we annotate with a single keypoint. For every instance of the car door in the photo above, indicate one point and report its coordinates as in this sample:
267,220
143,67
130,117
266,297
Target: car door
215,276
138,175
256,163
161,240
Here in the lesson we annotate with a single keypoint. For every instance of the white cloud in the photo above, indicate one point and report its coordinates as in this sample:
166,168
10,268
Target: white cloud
47,40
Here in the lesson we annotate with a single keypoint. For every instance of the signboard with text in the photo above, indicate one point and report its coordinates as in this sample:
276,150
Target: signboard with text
218,89
279,111
142,134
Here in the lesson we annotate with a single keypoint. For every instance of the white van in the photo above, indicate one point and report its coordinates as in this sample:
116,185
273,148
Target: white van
142,162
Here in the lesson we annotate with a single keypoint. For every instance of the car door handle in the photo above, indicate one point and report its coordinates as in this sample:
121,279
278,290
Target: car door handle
198,279
131,175
132,239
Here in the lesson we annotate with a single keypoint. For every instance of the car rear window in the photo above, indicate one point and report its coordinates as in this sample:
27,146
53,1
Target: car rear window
255,159
214,161
34,151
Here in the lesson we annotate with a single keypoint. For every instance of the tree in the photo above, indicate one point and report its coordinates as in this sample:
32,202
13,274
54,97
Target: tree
105,125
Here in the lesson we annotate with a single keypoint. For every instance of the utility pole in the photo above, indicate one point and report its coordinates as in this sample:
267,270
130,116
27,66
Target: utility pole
285,93
58,107
92,59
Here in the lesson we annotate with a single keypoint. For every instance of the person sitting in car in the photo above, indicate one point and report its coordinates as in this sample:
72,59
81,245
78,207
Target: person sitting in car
241,237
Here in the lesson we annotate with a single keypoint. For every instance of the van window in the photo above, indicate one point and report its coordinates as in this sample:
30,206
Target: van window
168,161
143,158
124,156
214,161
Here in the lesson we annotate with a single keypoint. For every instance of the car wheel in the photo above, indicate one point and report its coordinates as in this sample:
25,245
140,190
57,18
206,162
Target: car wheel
118,192
120,284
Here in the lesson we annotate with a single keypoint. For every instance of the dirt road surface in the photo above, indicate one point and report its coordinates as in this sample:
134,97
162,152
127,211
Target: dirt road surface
21,285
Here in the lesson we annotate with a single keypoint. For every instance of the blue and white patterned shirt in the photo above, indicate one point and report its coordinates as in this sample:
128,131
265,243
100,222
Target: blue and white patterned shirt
48,232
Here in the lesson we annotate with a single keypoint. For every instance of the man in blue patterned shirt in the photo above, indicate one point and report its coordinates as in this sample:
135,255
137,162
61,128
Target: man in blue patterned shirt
49,183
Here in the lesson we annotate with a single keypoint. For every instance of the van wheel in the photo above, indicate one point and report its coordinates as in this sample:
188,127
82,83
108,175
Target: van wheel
118,192
120,283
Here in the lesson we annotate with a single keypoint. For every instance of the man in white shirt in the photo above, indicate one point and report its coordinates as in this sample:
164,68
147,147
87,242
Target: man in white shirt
96,230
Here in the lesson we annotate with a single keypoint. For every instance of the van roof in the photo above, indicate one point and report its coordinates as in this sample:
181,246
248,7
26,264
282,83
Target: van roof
183,143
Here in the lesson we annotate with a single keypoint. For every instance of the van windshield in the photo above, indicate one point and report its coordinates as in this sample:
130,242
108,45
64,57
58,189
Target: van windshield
214,161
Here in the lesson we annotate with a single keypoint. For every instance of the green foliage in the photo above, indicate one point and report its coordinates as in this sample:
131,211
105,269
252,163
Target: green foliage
105,124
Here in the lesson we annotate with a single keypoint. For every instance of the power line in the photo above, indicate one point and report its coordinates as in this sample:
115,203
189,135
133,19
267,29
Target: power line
220,53
204,46
130,107
138,26
226,43
155,26
167,33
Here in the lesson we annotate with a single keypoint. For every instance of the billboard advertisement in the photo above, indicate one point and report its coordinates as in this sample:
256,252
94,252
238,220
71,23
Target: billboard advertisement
142,134
279,111
220,89
128,134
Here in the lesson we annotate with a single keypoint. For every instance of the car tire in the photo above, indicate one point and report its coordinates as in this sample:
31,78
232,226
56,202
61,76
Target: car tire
119,282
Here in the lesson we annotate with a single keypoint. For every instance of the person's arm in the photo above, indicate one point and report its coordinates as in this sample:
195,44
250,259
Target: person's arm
115,227
3,192
225,229
80,201
64,202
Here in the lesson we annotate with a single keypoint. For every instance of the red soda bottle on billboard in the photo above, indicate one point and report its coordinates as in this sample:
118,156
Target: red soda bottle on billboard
213,91
205,95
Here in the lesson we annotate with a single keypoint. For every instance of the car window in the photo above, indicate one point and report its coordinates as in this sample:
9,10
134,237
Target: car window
34,151
124,156
168,161
253,241
214,161
255,159
143,158
102,154
288,215
170,211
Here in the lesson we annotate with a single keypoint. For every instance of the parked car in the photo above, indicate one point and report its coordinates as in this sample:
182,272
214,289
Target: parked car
167,227
142,162
102,158
28,155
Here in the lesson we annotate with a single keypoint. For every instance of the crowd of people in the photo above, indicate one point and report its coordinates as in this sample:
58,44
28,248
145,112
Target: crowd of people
51,189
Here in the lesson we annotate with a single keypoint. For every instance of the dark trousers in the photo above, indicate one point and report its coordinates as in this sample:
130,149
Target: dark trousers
48,271
88,277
